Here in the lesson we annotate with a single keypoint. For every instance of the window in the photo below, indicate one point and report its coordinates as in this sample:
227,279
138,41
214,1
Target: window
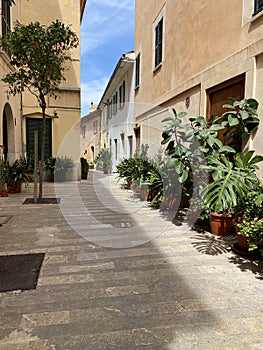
137,70
116,149
115,103
109,109
158,56
258,6
95,127
122,95
130,146
84,131
5,17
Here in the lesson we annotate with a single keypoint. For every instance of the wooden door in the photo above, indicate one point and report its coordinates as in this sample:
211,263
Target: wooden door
218,96
33,124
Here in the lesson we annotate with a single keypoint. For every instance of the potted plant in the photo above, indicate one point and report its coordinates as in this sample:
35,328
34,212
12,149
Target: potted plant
252,230
84,168
103,161
4,176
28,163
17,175
59,167
232,181
188,143
250,209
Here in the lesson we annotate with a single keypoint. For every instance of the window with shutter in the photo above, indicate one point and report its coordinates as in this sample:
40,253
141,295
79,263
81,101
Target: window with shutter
158,43
33,124
258,6
137,70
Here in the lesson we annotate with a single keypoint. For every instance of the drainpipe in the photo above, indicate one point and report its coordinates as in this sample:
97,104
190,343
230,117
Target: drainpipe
22,126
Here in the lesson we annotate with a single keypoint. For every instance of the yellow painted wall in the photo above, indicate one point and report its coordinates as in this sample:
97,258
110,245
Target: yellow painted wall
65,138
67,102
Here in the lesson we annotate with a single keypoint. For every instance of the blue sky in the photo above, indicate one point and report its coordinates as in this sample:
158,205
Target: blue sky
107,31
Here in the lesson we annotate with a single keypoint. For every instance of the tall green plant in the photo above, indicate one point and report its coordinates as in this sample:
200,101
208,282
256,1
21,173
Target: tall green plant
240,121
188,143
38,56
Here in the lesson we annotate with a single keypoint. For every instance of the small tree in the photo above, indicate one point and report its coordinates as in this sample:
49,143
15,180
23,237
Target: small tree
38,55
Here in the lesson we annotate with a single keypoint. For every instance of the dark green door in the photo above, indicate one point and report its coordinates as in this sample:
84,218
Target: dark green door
33,124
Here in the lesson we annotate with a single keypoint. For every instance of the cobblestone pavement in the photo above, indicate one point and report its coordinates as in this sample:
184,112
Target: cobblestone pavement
125,277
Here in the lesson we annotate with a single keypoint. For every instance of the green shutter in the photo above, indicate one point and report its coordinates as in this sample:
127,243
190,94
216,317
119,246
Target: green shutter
33,124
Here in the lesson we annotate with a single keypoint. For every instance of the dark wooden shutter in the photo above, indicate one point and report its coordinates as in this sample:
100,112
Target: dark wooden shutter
137,70
159,43
258,6
33,124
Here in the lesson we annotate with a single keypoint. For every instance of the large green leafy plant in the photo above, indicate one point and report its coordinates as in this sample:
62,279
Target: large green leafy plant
232,181
240,121
188,143
38,54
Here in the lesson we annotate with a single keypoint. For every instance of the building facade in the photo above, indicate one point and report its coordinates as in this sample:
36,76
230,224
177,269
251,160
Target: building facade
192,56
117,111
90,139
21,115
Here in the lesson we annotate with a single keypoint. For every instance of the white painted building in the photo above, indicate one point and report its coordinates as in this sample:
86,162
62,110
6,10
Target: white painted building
117,106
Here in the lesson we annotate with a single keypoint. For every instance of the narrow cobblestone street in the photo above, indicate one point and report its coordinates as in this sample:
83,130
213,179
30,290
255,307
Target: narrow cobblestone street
124,278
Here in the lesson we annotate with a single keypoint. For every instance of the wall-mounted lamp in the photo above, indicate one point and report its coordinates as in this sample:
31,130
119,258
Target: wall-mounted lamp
55,114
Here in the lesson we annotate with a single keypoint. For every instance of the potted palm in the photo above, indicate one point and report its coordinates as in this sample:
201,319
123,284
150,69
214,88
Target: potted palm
59,167
28,163
17,175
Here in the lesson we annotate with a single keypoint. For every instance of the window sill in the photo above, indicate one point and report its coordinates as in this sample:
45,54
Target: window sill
256,15
157,68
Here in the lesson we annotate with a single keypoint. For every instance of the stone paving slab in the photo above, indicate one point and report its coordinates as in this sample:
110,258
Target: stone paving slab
178,289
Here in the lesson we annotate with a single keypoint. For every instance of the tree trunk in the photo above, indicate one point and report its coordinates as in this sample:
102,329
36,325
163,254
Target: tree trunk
43,141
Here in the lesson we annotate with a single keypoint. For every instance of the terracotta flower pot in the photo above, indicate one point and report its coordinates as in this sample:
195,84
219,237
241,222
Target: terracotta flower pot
242,240
4,193
220,224
15,187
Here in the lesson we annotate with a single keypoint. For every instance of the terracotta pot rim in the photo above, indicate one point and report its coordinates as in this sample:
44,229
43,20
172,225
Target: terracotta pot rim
214,213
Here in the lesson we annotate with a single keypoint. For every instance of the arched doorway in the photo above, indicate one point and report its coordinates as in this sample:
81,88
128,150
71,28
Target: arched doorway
8,133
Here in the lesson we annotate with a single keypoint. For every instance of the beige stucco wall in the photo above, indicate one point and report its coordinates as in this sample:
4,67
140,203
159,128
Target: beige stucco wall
11,105
92,135
205,44
196,35
67,104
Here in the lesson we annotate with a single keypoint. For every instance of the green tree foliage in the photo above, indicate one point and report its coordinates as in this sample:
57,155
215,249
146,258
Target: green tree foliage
38,54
